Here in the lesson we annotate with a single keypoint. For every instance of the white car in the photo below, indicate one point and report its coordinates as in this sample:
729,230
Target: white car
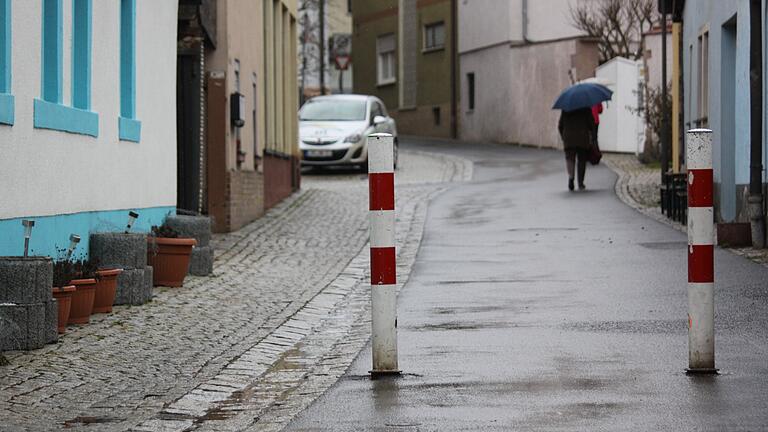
333,130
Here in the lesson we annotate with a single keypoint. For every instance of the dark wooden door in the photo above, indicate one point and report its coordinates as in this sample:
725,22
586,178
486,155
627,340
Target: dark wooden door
188,93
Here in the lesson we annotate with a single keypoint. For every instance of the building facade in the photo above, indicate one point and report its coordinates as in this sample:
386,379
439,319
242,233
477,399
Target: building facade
516,57
240,112
87,119
717,95
404,53
337,30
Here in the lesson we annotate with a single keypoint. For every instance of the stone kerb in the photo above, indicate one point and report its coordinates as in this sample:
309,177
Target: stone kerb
199,228
28,313
129,252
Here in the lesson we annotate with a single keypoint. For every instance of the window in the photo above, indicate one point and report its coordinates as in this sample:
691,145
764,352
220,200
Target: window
6,99
436,115
81,54
52,51
129,127
376,111
434,36
471,91
703,83
253,116
50,110
333,110
385,54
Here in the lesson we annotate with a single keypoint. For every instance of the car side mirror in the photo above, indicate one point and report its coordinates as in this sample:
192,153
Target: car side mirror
379,120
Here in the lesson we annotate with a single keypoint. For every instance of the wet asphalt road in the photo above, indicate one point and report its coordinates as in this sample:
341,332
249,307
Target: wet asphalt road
532,308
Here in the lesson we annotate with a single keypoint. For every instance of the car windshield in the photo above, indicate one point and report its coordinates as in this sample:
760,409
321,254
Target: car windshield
337,110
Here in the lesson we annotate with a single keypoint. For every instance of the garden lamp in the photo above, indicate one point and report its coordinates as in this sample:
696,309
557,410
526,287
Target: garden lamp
28,224
132,216
74,239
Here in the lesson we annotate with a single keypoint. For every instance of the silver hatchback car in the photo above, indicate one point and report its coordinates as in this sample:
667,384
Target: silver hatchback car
333,130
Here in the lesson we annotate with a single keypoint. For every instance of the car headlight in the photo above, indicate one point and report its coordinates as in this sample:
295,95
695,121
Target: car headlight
353,138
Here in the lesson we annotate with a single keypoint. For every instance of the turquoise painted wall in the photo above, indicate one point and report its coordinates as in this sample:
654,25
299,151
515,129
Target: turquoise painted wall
52,232
743,122
729,95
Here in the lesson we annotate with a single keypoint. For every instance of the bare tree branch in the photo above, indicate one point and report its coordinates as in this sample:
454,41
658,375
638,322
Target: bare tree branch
617,24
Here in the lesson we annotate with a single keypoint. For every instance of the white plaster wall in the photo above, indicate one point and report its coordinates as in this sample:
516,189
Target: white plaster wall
483,23
621,126
515,88
551,19
653,59
488,121
45,172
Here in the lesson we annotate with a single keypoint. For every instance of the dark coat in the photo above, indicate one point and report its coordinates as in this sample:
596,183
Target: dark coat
576,129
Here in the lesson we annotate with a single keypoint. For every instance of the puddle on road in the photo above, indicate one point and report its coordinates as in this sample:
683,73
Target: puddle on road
458,325
89,420
664,245
543,229
670,326
471,309
501,281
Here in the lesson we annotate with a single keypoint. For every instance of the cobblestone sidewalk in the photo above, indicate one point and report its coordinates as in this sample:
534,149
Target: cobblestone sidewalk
638,186
283,314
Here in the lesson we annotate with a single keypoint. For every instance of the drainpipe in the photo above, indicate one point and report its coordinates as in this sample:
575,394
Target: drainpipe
454,70
755,200
665,126
525,21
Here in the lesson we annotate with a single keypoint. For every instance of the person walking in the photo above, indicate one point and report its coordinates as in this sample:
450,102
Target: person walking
596,111
576,129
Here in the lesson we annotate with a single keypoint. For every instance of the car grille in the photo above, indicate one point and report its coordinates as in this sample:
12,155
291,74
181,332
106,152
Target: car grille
337,155
321,142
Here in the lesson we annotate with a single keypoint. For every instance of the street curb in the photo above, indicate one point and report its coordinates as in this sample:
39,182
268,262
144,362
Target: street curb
621,190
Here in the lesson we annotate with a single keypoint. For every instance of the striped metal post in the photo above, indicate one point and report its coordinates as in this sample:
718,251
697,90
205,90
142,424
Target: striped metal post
381,189
701,234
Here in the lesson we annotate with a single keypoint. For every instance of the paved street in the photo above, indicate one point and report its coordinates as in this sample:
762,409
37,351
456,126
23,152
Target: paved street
532,308
295,276
522,307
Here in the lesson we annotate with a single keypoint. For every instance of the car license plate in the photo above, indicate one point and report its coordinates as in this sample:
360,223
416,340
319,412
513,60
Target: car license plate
319,153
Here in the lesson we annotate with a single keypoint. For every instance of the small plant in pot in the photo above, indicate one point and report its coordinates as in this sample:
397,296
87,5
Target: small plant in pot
63,273
106,289
85,291
168,255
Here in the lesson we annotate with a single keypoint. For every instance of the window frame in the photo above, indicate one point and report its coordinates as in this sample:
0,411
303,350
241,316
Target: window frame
6,98
82,29
129,127
50,112
471,91
702,82
381,79
429,29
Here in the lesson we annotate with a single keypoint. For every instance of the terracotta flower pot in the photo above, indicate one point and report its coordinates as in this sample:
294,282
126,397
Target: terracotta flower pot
169,258
82,301
106,288
63,298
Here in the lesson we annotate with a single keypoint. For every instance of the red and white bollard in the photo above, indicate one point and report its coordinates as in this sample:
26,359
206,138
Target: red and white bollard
381,185
701,235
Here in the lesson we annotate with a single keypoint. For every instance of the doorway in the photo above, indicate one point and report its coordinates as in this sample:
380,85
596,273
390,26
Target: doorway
728,121
188,94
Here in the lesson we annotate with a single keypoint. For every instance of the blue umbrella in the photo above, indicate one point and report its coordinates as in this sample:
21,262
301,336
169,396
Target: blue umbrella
583,95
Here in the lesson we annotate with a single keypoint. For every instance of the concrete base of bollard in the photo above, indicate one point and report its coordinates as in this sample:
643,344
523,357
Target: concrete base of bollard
201,261
704,371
